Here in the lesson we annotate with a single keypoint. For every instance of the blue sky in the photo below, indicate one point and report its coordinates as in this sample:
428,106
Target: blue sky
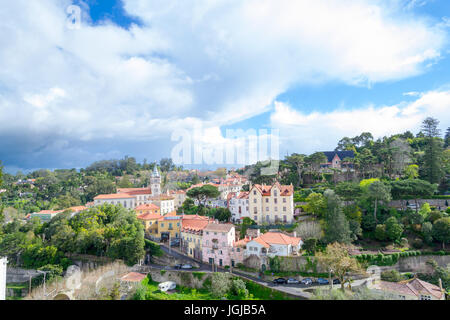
135,71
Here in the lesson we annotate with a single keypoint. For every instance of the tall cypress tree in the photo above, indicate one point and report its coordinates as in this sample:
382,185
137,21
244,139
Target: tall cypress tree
432,167
337,226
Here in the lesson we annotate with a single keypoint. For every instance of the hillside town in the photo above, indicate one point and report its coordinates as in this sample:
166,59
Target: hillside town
290,232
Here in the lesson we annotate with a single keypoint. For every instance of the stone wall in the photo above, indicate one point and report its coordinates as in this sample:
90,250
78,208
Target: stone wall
419,263
431,202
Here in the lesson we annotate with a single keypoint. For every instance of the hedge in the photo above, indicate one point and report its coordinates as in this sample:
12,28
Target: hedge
392,258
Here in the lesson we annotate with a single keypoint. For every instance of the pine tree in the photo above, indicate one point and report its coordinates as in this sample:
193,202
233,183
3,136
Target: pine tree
432,168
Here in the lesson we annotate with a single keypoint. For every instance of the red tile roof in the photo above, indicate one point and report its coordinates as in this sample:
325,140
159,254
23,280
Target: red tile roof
219,227
147,206
269,238
133,277
149,216
266,190
415,287
114,196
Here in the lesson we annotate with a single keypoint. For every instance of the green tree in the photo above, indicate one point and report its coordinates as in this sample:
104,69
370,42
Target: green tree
380,232
411,171
441,231
394,230
315,204
203,193
432,166
337,227
378,192
348,190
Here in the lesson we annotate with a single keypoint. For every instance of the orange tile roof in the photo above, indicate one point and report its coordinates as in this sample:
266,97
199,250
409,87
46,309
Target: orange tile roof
284,190
114,196
276,238
133,277
193,225
78,208
242,243
149,216
129,190
219,227
147,206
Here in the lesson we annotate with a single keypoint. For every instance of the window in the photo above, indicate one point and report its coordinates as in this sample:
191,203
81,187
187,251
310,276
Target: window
255,210
276,208
207,242
207,232
275,200
284,200
267,200
275,193
255,217
267,208
267,218
254,192
284,218
284,208
254,200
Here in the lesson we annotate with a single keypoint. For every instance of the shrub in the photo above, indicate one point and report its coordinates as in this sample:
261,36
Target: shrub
417,243
391,276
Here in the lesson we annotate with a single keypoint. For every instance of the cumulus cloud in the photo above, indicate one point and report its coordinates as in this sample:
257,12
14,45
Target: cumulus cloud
319,131
103,87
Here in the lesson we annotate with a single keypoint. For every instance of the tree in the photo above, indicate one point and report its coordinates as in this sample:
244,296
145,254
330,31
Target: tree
447,138
411,171
315,204
337,260
378,192
441,230
337,228
309,229
380,232
203,193
415,188
239,289
298,160
220,284
432,167
427,232
348,190
394,230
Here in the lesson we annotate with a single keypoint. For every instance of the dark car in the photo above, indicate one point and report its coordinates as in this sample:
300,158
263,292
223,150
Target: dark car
279,281
178,266
175,243
336,281
322,281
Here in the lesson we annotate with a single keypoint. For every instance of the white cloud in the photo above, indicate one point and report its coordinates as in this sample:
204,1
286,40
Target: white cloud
213,62
322,130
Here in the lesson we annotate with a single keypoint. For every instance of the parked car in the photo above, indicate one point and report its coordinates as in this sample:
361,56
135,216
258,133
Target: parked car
336,281
322,281
279,281
293,281
178,266
166,286
307,281
175,243
186,266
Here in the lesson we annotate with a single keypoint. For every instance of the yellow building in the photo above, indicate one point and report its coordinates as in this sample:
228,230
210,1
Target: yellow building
169,226
150,222
147,208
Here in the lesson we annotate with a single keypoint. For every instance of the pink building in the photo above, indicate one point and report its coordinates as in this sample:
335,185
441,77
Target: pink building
217,243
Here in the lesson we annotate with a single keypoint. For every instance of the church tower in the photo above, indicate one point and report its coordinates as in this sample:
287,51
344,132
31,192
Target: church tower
155,182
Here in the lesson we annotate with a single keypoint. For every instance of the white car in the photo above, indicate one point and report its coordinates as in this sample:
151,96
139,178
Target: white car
166,286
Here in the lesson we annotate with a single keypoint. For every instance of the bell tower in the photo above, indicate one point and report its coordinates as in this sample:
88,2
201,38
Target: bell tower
155,182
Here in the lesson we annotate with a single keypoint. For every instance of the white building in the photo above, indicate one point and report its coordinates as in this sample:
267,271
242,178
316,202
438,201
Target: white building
3,264
131,198
273,244
238,205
